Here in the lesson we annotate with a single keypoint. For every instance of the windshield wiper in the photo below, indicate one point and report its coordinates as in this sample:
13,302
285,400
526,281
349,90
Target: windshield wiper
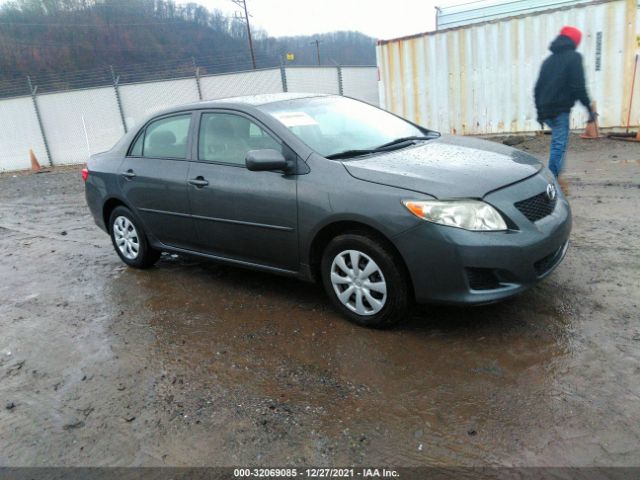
350,153
401,140
396,144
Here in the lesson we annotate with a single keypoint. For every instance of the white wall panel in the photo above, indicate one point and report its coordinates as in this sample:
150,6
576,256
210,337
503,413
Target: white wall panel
237,84
81,123
140,100
312,79
19,132
361,83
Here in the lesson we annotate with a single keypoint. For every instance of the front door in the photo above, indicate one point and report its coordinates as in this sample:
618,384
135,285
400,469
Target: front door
240,214
153,178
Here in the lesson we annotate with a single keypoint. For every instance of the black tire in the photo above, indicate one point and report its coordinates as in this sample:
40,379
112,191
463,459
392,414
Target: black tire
398,301
146,256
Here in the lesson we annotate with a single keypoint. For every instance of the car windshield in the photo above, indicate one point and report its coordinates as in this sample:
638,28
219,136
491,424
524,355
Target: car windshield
335,126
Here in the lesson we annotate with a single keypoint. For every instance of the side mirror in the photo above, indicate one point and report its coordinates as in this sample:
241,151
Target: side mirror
267,159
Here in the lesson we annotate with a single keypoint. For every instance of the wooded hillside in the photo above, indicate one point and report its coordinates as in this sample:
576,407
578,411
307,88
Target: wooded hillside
71,43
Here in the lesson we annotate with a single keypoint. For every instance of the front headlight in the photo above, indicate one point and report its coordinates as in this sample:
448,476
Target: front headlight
468,214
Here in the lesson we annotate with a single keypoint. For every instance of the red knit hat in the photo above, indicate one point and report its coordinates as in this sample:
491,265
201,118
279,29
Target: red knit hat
573,33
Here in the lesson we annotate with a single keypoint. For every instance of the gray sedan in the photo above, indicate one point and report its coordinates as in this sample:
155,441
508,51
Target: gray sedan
383,212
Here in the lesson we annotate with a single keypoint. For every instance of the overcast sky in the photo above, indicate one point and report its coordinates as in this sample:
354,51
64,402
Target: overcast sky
378,18
381,19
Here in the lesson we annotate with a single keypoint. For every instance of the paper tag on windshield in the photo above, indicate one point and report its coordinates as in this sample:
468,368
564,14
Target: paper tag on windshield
295,119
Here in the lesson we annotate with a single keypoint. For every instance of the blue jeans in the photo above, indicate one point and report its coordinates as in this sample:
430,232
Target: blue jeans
559,140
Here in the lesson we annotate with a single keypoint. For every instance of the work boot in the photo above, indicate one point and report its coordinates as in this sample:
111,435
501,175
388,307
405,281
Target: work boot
564,186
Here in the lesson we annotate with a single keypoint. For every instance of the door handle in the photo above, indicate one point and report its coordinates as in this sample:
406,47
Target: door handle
128,174
199,182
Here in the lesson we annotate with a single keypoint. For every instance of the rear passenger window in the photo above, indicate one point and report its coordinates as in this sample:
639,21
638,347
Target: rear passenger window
167,137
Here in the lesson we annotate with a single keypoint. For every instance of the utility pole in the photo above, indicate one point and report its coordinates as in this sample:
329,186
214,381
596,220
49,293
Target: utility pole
243,5
317,44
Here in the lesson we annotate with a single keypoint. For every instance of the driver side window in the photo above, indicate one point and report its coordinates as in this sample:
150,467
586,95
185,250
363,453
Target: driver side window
226,138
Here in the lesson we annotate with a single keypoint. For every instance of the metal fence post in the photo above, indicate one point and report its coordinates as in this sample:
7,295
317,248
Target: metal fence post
116,82
196,71
283,78
33,90
340,87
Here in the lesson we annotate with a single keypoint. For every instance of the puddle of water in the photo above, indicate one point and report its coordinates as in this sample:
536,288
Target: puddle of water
438,381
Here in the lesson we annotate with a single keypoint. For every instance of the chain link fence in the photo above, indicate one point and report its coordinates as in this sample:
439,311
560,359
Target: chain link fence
66,127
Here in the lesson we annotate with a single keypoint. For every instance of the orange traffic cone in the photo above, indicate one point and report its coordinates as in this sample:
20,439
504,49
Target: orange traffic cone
592,130
35,166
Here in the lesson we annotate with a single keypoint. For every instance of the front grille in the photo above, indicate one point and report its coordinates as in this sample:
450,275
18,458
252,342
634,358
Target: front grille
537,207
482,279
545,264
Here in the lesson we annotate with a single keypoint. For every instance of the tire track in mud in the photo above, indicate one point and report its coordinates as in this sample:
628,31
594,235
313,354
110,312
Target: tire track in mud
51,236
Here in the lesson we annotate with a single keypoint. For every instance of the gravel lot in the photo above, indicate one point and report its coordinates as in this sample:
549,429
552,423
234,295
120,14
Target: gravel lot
196,364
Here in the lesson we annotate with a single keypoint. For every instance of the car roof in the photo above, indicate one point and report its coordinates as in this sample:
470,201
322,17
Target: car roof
252,100
245,103
265,98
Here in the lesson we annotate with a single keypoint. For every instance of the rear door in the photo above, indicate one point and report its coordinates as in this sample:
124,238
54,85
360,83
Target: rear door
239,214
153,178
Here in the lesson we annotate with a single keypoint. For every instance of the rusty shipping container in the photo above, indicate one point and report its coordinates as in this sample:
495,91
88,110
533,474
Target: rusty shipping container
479,79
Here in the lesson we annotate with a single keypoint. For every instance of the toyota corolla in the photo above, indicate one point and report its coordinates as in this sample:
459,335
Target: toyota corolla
383,212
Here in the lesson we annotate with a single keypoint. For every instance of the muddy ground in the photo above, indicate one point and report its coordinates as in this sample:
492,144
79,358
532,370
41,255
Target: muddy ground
196,364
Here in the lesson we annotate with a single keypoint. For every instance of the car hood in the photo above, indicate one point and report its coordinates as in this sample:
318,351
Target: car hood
447,167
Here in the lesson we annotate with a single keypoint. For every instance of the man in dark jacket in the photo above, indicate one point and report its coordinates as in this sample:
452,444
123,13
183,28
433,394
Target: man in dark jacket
559,85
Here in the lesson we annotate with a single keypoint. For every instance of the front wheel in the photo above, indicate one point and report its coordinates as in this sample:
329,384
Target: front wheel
129,239
365,282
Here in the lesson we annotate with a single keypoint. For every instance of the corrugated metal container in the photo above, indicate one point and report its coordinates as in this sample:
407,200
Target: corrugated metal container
479,79
482,10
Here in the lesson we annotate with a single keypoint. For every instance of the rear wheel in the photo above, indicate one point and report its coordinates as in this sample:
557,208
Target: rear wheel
129,239
364,281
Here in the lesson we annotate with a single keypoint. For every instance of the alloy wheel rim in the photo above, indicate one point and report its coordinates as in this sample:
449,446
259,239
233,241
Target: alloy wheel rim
126,237
358,282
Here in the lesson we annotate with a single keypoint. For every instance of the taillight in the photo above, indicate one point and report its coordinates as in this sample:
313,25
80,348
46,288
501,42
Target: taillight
85,174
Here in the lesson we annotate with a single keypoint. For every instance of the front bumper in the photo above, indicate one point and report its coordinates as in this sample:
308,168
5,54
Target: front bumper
455,266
